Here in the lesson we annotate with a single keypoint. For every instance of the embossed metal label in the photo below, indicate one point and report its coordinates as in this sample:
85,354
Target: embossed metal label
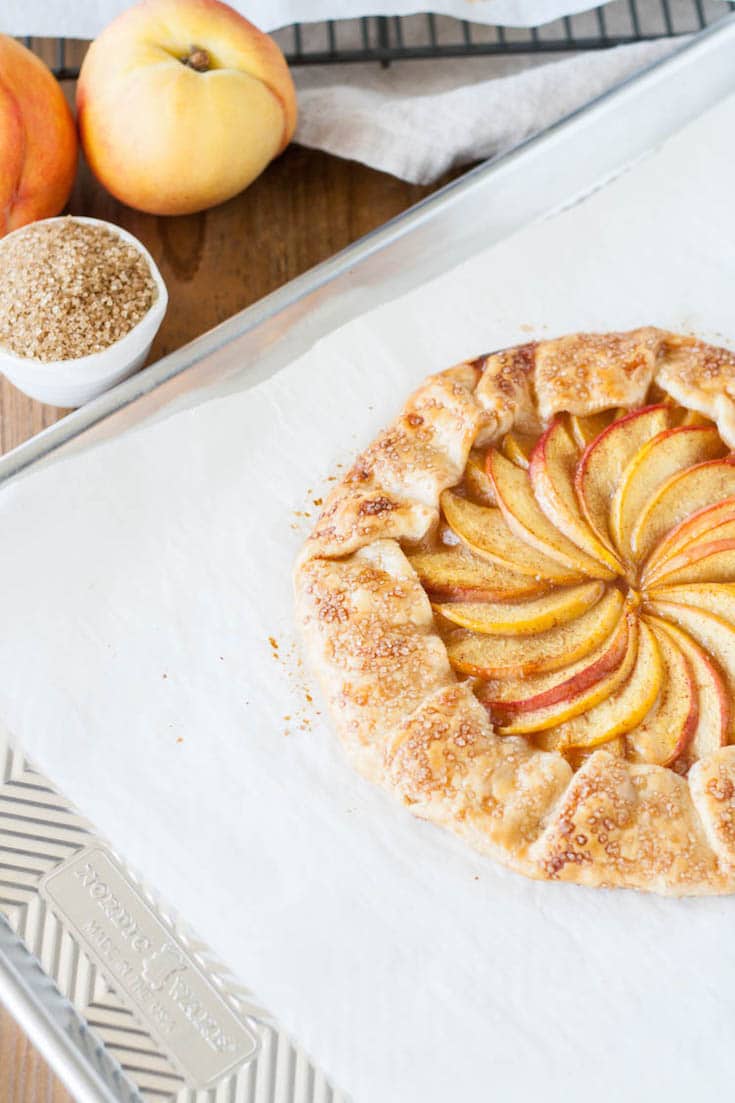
149,967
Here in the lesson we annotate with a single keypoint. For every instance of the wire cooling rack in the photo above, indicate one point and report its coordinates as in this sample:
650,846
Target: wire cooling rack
385,39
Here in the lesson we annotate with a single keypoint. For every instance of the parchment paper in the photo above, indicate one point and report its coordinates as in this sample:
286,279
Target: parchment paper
141,583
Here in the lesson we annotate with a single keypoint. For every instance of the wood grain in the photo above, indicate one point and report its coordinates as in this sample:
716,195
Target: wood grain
305,208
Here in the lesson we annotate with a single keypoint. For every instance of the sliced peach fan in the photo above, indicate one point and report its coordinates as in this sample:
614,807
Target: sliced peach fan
608,516
521,604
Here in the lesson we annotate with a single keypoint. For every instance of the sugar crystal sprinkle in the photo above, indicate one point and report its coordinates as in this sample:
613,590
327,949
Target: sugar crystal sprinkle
68,289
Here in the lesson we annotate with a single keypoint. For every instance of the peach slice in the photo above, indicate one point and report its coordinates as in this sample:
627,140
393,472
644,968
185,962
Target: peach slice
551,471
693,417
499,618
713,721
651,466
454,574
680,414
485,532
514,656
701,523
679,497
511,696
604,460
713,597
585,429
621,711
518,447
711,631
724,531
477,482
553,715
719,534
711,562
526,519
667,730
577,756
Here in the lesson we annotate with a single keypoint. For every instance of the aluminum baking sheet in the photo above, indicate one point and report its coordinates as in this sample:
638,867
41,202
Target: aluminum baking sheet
544,175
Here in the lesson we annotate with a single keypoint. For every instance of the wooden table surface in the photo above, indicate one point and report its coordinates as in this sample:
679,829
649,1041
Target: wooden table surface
304,208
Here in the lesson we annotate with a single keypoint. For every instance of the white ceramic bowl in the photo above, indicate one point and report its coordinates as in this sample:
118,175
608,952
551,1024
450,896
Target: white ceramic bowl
74,382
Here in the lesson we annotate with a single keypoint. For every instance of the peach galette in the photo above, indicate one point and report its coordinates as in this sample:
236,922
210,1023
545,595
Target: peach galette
521,605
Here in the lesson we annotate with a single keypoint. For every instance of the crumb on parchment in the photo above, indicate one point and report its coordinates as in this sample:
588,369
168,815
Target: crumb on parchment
302,718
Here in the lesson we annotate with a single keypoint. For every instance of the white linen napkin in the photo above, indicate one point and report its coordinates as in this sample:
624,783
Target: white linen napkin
419,119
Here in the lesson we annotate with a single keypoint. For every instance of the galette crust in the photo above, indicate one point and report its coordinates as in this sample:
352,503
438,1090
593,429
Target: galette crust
405,720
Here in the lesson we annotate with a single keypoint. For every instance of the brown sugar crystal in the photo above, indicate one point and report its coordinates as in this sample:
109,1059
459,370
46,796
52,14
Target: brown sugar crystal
68,289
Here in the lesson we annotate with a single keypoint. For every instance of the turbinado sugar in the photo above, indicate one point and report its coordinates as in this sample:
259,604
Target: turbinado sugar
69,288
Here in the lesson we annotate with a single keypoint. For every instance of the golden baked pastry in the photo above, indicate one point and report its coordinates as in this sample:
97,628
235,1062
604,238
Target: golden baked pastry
520,602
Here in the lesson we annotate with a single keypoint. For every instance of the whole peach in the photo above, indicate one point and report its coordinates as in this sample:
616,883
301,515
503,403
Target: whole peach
38,139
181,104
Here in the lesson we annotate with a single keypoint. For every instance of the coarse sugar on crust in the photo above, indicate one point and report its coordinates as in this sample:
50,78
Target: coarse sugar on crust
411,723
624,824
447,764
